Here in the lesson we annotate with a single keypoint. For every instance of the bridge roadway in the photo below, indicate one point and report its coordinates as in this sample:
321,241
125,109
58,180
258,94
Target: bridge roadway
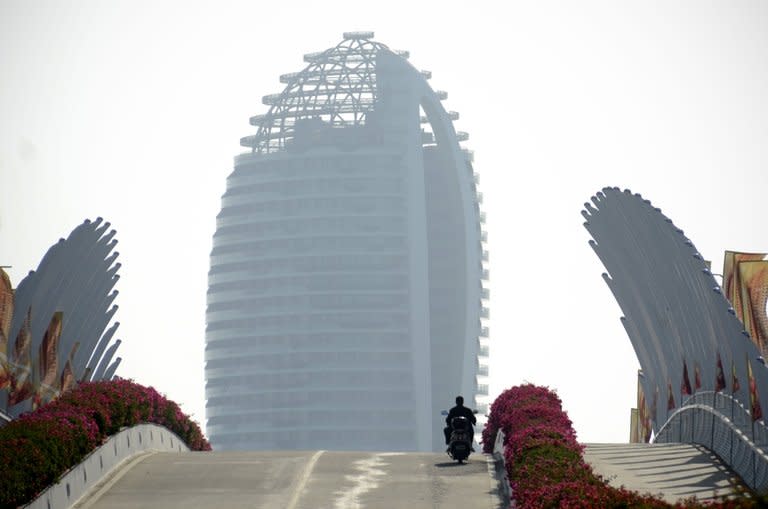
298,480
367,480
670,471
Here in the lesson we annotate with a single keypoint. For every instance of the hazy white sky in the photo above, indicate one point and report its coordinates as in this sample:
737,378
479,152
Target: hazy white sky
133,111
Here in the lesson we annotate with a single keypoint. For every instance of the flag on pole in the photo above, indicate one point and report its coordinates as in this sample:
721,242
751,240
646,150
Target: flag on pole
22,386
643,429
720,376
67,380
754,398
685,384
48,362
670,397
696,376
6,313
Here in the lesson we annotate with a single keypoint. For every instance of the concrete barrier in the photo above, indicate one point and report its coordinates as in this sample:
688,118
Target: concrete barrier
97,466
501,470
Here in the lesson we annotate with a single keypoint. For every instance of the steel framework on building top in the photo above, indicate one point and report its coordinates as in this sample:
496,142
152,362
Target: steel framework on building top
338,87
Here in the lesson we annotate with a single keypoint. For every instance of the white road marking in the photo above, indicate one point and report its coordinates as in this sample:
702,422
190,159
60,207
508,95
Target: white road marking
303,480
365,481
214,462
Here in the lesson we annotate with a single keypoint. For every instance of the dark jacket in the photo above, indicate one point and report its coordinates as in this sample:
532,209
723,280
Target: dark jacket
461,411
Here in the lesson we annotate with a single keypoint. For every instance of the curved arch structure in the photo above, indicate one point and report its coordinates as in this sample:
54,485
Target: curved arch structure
345,299
57,333
674,311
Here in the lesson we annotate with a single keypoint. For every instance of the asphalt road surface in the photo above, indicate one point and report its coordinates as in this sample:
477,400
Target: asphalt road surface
299,480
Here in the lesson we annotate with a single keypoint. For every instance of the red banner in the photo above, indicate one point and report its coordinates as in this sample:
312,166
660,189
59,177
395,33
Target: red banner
753,280
735,385
48,362
6,313
67,375
685,383
21,374
731,279
754,398
720,375
670,397
643,416
696,377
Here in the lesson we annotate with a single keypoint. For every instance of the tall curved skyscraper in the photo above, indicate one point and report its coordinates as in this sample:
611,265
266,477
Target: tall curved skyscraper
346,297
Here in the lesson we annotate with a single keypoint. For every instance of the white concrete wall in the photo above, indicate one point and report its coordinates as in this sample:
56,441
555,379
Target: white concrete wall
101,462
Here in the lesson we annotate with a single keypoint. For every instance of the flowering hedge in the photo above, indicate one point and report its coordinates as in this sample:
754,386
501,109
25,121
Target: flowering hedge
545,463
39,446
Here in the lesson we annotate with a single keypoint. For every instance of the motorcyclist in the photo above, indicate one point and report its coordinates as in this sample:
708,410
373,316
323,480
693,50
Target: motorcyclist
460,411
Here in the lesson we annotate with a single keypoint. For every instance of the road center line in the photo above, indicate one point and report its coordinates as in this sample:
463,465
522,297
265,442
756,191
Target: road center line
303,480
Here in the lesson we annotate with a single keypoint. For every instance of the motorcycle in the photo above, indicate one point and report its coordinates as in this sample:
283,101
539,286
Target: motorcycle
460,443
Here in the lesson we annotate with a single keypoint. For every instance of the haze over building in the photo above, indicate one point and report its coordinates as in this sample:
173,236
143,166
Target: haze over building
346,290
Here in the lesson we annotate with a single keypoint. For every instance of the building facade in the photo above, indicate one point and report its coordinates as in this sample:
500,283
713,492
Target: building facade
346,289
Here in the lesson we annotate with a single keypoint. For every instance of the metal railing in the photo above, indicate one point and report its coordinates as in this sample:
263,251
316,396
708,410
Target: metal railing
722,424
